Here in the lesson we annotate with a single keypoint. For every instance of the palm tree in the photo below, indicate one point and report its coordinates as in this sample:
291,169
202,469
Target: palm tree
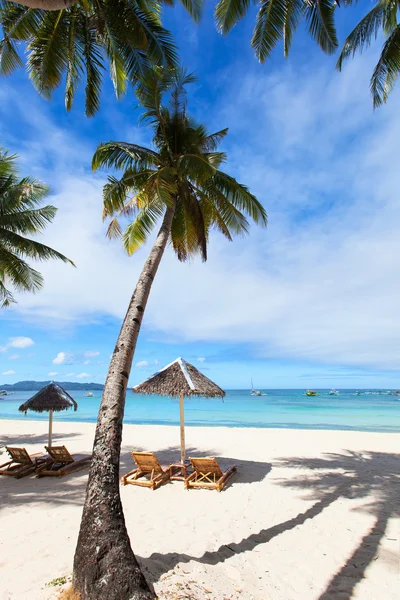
279,19
76,41
179,182
19,216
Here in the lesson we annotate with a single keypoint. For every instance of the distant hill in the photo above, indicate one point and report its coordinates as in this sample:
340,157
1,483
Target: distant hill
27,386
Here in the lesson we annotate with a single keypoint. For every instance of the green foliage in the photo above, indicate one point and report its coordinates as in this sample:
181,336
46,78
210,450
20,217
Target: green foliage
182,171
279,19
19,216
83,41
57,582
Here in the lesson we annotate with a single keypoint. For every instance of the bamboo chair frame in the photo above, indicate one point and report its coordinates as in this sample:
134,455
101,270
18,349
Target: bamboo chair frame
21,463
61,462
148,473
208,474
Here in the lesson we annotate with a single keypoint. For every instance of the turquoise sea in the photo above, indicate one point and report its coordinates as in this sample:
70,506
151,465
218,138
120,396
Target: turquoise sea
369,411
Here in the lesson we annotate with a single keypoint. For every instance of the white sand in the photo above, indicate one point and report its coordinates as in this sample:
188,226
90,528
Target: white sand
310,515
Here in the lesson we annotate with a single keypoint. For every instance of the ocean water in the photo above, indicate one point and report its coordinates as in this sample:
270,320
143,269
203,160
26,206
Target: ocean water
290,409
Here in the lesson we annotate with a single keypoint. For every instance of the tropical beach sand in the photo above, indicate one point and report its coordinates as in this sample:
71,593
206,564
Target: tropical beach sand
310,515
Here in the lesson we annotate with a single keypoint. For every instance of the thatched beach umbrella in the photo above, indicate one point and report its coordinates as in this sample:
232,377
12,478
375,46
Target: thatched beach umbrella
50,398
179,378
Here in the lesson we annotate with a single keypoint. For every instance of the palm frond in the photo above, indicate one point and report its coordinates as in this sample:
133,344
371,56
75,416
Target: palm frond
19,215
47,60
269,28
138,231
211,142
9,57
6,297
229,12
321,23
239,196
363,34
122,155
387,69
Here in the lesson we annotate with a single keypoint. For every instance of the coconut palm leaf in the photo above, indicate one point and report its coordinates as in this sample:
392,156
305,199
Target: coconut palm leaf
20,215
229,12
364,32
387,70
84,40
184,174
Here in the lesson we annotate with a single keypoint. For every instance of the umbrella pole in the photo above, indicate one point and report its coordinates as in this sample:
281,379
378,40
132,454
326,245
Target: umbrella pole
50,427
182,414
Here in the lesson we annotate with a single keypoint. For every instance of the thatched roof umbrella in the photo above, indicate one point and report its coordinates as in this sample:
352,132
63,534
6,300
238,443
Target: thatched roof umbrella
179,378
51,397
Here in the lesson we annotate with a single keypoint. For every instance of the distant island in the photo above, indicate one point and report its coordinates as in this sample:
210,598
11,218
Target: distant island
28,386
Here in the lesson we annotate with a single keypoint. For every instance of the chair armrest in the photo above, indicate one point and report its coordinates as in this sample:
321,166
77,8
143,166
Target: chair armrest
227,474
6,464
192,476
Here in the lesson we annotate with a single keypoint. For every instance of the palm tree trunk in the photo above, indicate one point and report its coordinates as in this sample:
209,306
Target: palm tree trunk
105,566
45,4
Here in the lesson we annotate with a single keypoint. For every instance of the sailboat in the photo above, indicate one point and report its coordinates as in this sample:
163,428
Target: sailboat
254,392
89,395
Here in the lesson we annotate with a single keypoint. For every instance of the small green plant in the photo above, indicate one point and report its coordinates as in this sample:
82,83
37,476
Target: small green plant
58,581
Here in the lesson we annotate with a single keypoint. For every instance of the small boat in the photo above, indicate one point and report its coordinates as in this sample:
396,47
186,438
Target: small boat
311,393
89,394
333,393
254,392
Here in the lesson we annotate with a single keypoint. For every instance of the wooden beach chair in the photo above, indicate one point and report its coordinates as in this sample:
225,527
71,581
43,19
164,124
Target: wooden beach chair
61,462
208,474
21,462
149,472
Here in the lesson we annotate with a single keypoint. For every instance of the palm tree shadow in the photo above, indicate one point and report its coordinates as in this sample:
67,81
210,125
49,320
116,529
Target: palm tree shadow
352,475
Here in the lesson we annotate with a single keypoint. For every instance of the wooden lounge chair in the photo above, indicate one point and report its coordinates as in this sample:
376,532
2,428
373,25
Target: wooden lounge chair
148,473
208,474
21,463
61,462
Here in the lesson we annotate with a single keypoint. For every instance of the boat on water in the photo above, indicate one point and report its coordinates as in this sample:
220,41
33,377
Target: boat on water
254,392
89,394
333,393
311,393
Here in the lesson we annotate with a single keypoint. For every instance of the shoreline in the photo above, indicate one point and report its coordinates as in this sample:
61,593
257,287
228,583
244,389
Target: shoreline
274,427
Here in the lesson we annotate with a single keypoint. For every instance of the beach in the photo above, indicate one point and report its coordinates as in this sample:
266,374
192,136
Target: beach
309,515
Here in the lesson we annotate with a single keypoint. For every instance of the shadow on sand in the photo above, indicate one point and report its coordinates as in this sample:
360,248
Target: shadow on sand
352,475
248,471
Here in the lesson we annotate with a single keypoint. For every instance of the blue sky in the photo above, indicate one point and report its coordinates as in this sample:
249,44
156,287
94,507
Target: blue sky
310,302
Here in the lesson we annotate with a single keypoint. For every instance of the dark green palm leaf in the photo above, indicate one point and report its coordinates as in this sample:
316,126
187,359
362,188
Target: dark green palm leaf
21,215
269,27
183,175
321,24
229,12
387,70
362,35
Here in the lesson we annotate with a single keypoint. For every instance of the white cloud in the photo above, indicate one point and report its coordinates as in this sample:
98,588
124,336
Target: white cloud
8,373
321,283
52,373
69,374
62,358
3,348
91,354
20,342
142,363
14,357
83,376
86,362
201,359
156,362
59,359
